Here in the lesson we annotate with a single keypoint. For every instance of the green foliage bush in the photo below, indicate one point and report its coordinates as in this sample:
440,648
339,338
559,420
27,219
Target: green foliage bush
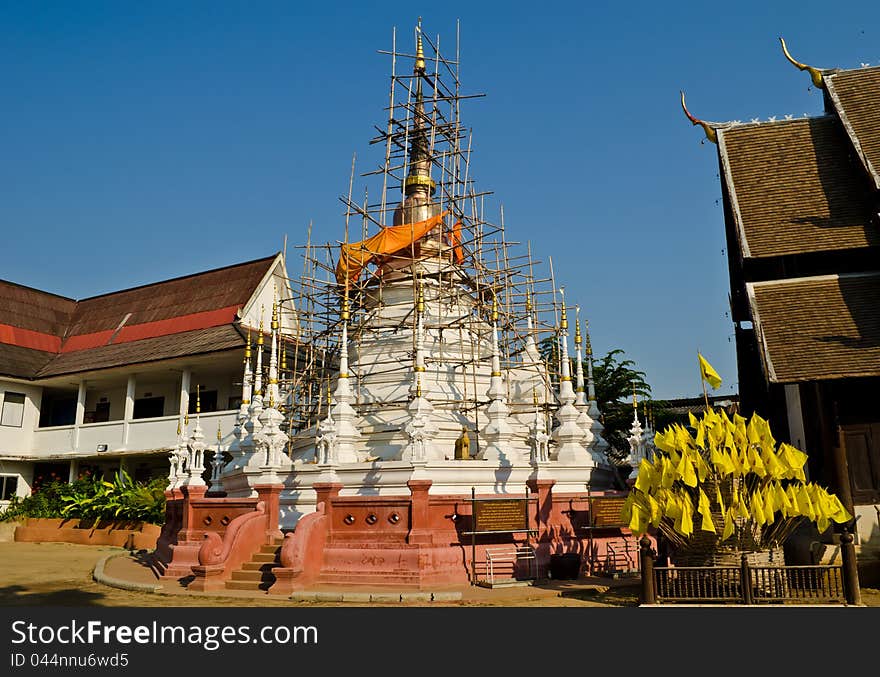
94,498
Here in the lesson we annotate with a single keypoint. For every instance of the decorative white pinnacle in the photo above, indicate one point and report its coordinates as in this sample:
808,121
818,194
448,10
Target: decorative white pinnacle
568,435
498,432
344,415
636,440
197,446
538,436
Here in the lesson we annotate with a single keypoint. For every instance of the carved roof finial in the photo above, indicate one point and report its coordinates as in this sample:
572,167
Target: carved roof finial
709,129
815,73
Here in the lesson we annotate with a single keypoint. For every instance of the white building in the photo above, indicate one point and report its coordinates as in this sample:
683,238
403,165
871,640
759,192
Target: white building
103,383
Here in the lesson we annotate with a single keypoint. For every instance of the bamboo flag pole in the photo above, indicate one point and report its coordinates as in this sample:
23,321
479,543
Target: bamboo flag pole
702,380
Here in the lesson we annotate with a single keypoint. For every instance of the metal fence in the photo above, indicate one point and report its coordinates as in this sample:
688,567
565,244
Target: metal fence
752,584
766,584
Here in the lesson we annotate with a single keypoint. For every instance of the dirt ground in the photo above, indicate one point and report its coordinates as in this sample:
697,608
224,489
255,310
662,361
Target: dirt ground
60,574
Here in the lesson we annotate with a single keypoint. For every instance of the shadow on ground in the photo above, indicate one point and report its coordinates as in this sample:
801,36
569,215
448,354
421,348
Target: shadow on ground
17,595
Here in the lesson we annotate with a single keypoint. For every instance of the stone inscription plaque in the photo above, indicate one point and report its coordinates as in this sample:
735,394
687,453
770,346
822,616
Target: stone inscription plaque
501,515
607,511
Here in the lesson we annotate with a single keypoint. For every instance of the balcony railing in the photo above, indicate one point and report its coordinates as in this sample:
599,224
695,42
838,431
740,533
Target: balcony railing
143,434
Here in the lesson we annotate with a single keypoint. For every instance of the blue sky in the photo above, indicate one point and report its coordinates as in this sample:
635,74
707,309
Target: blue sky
141,141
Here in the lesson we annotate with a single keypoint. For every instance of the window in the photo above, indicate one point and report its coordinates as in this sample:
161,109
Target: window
208,400
13,409
8,487
149,407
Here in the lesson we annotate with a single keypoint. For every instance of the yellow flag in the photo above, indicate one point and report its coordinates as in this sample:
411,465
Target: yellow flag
708,374
728,524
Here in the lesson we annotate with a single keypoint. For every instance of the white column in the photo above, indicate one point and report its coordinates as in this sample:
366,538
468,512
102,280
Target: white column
129,408
74,471
80,412
185,379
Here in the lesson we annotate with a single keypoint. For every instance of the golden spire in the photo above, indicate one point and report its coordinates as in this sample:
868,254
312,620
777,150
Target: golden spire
219,434
345,315
528,301
418,384
577,326
563,325
198,399
283,355
635,399
260,335
420,52
589,345
535,396
274,314
707,128
815,73
178,426
494,308
247,348
420,302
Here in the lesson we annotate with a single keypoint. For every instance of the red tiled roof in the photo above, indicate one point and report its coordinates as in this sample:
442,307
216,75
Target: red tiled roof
42,334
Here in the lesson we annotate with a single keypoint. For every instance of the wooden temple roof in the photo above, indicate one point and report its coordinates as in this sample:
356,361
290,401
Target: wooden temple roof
855,95
795,187
824,327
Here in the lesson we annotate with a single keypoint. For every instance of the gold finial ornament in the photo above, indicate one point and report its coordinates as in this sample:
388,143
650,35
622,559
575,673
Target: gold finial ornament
494,308
577,326
563,325
711,134
274,315
528,302
420,300
260,335
247,347
589,345
178,426
283,355
635,400
815,73
420,52
345,315
535,396
219,433
198,400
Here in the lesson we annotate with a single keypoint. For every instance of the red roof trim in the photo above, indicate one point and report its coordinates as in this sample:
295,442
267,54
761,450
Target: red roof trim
27,338
136,332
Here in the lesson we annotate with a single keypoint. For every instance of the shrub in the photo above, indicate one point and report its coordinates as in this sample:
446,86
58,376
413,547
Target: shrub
93,498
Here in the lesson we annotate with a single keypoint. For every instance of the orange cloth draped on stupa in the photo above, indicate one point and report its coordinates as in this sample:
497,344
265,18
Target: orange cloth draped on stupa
355,256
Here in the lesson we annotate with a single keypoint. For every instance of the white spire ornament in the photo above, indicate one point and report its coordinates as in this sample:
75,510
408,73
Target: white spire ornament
196,461
344,415
580,403
568,435
420,428
498,432
600,445
636,441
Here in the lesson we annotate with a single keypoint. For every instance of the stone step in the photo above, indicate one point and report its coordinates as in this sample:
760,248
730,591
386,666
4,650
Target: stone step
241,575
252,586
272,548
259,566
264,557
355,579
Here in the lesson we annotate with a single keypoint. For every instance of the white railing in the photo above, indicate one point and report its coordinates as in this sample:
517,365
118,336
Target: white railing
58,439
144,434
93,434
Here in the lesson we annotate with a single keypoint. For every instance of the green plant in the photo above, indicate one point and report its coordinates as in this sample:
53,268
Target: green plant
121,499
